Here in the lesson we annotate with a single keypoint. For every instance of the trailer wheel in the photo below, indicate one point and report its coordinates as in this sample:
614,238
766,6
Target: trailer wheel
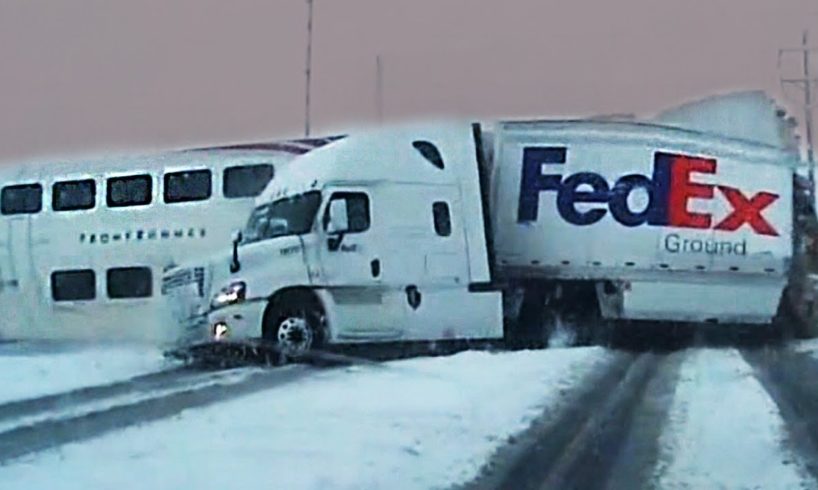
531,327
295,323
796,317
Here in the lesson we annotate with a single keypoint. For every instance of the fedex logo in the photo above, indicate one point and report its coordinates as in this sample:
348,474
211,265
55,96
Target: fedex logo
669,190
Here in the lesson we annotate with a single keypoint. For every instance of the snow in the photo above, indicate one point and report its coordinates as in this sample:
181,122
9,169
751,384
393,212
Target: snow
28,371
420,423
806,346
562,336
724,431
76,410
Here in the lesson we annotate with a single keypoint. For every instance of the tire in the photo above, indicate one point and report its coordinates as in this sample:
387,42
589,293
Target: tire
531,328
295,324
545,305
795,319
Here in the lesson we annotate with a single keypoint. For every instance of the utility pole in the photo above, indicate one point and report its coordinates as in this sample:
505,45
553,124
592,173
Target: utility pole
808,105
379,88
308,71
806,84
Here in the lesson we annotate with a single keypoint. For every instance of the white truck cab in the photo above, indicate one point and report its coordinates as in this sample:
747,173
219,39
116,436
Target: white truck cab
377,237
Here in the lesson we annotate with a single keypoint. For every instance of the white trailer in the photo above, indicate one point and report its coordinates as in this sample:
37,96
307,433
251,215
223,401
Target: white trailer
454,231
665,224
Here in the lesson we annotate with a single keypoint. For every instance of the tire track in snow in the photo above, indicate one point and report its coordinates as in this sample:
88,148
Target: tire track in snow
639,452
46,403
791,380
724,430
580,447
135,395
698,418
53,432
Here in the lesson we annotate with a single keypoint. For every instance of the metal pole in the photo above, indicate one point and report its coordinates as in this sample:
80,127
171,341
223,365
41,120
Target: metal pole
309,70
379,88
808,110
805,84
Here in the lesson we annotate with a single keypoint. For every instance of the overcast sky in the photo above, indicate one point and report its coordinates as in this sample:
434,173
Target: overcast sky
87,76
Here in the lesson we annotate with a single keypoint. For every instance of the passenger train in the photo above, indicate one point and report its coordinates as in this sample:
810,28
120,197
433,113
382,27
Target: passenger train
83,244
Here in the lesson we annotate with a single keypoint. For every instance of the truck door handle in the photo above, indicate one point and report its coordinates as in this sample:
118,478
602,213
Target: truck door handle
334,242
375,267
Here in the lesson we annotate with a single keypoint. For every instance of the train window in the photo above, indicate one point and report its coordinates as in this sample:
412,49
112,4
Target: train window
246,180
21,199
73,195
191,185
442,218
73,285
129,282
132,190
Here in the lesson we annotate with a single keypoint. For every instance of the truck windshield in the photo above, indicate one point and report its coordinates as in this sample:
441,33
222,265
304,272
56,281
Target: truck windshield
292,215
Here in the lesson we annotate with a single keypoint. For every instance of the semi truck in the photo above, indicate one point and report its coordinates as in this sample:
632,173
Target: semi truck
473,231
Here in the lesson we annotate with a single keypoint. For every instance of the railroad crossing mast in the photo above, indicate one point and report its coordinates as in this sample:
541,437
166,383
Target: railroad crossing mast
805,85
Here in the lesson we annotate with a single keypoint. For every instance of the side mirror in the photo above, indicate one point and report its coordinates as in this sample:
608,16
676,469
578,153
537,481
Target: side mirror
235,265
338,218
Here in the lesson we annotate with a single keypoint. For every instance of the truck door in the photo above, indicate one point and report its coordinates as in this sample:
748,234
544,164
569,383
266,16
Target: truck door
427,238
16,280
350,258
425,264
446,263
351,269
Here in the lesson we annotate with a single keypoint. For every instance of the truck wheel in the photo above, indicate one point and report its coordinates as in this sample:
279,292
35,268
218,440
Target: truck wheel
295,326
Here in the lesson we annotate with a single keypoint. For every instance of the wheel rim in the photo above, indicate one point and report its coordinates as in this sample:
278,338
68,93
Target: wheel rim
295,337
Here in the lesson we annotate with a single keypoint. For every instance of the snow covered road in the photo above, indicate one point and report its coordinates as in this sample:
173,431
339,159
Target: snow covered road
566,418
698,418
724,430
419,423
30,370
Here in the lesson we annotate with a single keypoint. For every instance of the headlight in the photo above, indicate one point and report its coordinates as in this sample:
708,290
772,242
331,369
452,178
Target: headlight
229,295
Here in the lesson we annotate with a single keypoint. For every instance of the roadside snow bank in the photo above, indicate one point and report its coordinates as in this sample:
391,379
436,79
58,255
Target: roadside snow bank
724,431
28,370
422,423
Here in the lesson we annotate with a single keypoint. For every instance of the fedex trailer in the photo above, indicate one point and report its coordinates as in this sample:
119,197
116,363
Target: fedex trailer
464,231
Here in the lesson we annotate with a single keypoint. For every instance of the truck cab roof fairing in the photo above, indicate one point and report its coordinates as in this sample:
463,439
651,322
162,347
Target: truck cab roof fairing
362,157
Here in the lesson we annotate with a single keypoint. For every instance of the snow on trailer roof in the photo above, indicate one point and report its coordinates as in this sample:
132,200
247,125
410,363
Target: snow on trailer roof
658,136
608,128
737,122
741,115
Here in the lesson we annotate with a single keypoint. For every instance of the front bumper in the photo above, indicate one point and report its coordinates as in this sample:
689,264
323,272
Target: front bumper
192,329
